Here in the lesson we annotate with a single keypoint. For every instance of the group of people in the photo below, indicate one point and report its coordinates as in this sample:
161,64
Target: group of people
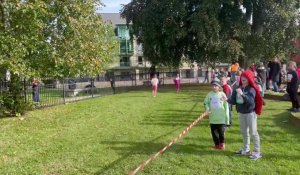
248,103
246,93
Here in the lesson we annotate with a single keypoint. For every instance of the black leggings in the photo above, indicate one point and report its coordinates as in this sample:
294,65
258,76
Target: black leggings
218,133
293,95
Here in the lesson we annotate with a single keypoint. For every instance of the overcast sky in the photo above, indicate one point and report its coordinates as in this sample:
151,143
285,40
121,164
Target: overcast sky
112,6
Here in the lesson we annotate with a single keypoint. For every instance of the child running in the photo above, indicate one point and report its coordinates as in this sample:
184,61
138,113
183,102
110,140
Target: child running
217,106
177,83
154,83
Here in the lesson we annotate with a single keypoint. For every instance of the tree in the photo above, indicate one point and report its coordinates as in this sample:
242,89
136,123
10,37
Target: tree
210,31
52,38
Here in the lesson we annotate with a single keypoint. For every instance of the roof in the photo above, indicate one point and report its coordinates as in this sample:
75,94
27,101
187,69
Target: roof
113,18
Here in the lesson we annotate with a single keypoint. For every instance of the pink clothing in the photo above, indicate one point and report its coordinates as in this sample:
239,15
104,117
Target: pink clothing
154,87
298,72
238,78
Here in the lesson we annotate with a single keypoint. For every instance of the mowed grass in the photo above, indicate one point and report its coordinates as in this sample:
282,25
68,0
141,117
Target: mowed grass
114,134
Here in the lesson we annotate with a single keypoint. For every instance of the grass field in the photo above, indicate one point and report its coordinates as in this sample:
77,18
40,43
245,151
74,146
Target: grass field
114,134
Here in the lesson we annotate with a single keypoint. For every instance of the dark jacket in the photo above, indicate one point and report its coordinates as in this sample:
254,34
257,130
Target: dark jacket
293,85
249,100
274,71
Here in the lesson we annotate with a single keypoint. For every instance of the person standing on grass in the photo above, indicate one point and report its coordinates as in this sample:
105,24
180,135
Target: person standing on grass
228,92
177,83
292,85
262,74
248,104
35,91
206,76
274,74
113,85
154,83
215,103
233,70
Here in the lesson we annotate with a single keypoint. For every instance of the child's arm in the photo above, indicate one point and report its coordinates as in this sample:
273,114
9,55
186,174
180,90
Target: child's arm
207,102
226,107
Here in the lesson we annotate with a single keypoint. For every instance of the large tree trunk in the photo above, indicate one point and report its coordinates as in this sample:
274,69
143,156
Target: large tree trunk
257,27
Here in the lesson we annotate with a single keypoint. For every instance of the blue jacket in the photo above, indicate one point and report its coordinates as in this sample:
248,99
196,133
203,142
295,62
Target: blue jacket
248,96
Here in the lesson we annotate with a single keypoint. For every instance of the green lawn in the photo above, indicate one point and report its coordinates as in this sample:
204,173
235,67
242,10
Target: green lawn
114,134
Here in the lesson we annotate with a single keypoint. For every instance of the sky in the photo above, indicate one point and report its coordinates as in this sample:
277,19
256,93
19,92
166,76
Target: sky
112,6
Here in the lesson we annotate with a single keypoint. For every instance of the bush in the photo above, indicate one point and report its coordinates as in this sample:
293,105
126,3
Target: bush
12,106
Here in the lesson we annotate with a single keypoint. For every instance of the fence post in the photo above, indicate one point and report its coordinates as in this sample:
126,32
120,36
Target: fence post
25,94
163,78
92,87
64,93
135,77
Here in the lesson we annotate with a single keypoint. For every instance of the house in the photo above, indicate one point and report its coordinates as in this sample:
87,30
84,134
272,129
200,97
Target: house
131,59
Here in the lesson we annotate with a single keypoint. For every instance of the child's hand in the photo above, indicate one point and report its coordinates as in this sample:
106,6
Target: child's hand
223,98
239,91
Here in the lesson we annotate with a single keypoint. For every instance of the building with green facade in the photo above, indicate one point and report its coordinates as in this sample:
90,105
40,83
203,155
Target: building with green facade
131,59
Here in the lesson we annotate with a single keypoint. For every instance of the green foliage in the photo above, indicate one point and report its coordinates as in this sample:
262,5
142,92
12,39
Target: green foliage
11,106
54,38
210,31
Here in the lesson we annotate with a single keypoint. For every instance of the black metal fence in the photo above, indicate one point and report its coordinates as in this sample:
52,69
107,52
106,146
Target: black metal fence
51,92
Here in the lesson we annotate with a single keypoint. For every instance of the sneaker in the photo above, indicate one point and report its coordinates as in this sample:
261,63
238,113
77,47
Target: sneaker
255,156
241,152
222,146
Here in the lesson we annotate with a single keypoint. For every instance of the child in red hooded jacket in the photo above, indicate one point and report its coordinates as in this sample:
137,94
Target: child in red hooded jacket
248,104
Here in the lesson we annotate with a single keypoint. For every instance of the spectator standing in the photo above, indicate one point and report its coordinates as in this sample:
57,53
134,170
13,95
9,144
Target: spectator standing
275,74
248,104
262,74
292,85
215,103
35,91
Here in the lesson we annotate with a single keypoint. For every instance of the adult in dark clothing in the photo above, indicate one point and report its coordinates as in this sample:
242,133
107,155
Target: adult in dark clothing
280,79
274,74
262,74
268,75
112,84
292,85
206,76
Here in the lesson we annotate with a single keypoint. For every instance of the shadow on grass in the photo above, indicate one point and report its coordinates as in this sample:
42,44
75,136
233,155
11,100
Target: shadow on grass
283,121
150,148
134,148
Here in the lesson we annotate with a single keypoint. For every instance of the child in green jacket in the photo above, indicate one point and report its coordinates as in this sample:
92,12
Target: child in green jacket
217,106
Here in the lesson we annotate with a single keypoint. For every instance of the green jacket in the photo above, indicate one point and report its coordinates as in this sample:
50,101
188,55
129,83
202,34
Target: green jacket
218,109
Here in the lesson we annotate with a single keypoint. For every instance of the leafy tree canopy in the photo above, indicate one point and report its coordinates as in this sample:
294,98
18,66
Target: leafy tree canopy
210,31
54,38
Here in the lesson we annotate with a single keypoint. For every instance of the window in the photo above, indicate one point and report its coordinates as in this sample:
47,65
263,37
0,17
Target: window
123,32
124,62
126,46
140,60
